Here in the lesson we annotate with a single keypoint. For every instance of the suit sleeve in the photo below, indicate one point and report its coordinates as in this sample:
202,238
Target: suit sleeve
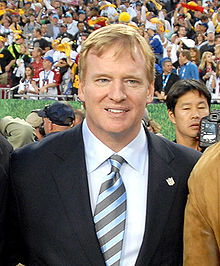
201,226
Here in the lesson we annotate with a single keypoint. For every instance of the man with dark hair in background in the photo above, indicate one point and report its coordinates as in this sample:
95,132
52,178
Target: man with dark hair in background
188,101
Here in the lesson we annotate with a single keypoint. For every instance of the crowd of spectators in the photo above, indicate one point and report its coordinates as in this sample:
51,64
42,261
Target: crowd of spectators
40,41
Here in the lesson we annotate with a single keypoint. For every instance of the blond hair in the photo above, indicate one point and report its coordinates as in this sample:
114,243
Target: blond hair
204,60
127,40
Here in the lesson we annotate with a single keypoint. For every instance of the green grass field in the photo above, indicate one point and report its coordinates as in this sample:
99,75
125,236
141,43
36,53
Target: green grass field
21,108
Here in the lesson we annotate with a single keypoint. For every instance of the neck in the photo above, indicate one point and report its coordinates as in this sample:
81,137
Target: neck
186,141
37,59
166,73
116,141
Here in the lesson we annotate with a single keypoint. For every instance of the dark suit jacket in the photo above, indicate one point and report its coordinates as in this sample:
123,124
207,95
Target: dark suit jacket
159,82
5,150
50,219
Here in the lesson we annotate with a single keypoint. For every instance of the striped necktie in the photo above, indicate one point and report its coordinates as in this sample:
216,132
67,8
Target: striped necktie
110,213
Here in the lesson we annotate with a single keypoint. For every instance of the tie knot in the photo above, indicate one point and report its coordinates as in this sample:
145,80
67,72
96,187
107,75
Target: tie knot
116,162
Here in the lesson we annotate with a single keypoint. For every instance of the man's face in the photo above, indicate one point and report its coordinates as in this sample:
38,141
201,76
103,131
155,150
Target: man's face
189,110
182,31
167,67
44,28
211,37
182,59
34,53
127,4
46,64
35,33
150,32
81,27
115,93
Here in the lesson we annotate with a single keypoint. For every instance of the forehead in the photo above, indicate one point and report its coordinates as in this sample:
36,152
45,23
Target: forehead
192,97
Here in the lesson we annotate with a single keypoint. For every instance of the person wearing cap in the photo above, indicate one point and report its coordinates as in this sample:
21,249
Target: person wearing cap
37,123
53,28
203,26
124,18
129,9
63,32
71,24
155,41
57,117
6,61
49,80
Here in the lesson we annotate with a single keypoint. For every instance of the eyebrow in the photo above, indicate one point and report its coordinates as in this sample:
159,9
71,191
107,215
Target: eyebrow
201,102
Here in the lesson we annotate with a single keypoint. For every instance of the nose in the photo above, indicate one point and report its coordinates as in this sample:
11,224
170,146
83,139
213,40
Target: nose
195,113
117,91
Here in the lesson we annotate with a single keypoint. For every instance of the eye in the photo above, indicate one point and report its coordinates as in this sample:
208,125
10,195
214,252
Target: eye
132,81
102,81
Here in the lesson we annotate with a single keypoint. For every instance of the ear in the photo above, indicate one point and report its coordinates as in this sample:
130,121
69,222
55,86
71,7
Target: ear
172,116
50,126
81,91
150,93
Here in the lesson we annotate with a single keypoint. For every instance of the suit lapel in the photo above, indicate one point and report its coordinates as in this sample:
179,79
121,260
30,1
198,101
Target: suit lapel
159,198
72,186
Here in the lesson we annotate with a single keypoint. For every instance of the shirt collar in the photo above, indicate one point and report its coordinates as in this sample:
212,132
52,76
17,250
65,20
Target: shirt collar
97,152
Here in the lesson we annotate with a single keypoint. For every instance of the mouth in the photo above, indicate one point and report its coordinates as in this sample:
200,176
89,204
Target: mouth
195,126
115,111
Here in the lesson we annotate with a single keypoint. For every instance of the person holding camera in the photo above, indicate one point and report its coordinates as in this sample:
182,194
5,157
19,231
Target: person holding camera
57,117
188,101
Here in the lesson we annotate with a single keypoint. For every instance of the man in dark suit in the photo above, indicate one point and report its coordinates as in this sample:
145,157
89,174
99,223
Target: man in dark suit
164,81
106,192
5,151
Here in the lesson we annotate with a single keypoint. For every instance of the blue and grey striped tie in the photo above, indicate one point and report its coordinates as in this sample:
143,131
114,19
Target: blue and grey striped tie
110,213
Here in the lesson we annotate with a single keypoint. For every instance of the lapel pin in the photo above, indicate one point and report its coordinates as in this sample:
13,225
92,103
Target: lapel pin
170,181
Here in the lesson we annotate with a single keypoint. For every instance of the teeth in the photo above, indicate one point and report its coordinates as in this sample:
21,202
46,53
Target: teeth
116,111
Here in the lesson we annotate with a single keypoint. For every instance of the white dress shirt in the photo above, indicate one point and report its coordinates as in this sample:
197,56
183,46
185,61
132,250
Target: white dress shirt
134,174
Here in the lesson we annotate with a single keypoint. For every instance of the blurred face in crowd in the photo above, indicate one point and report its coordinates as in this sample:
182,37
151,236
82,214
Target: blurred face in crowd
209,58
167,68
189,110
211,37
44,28
28,72
47,64
182,31
81,26
169,49
35,53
